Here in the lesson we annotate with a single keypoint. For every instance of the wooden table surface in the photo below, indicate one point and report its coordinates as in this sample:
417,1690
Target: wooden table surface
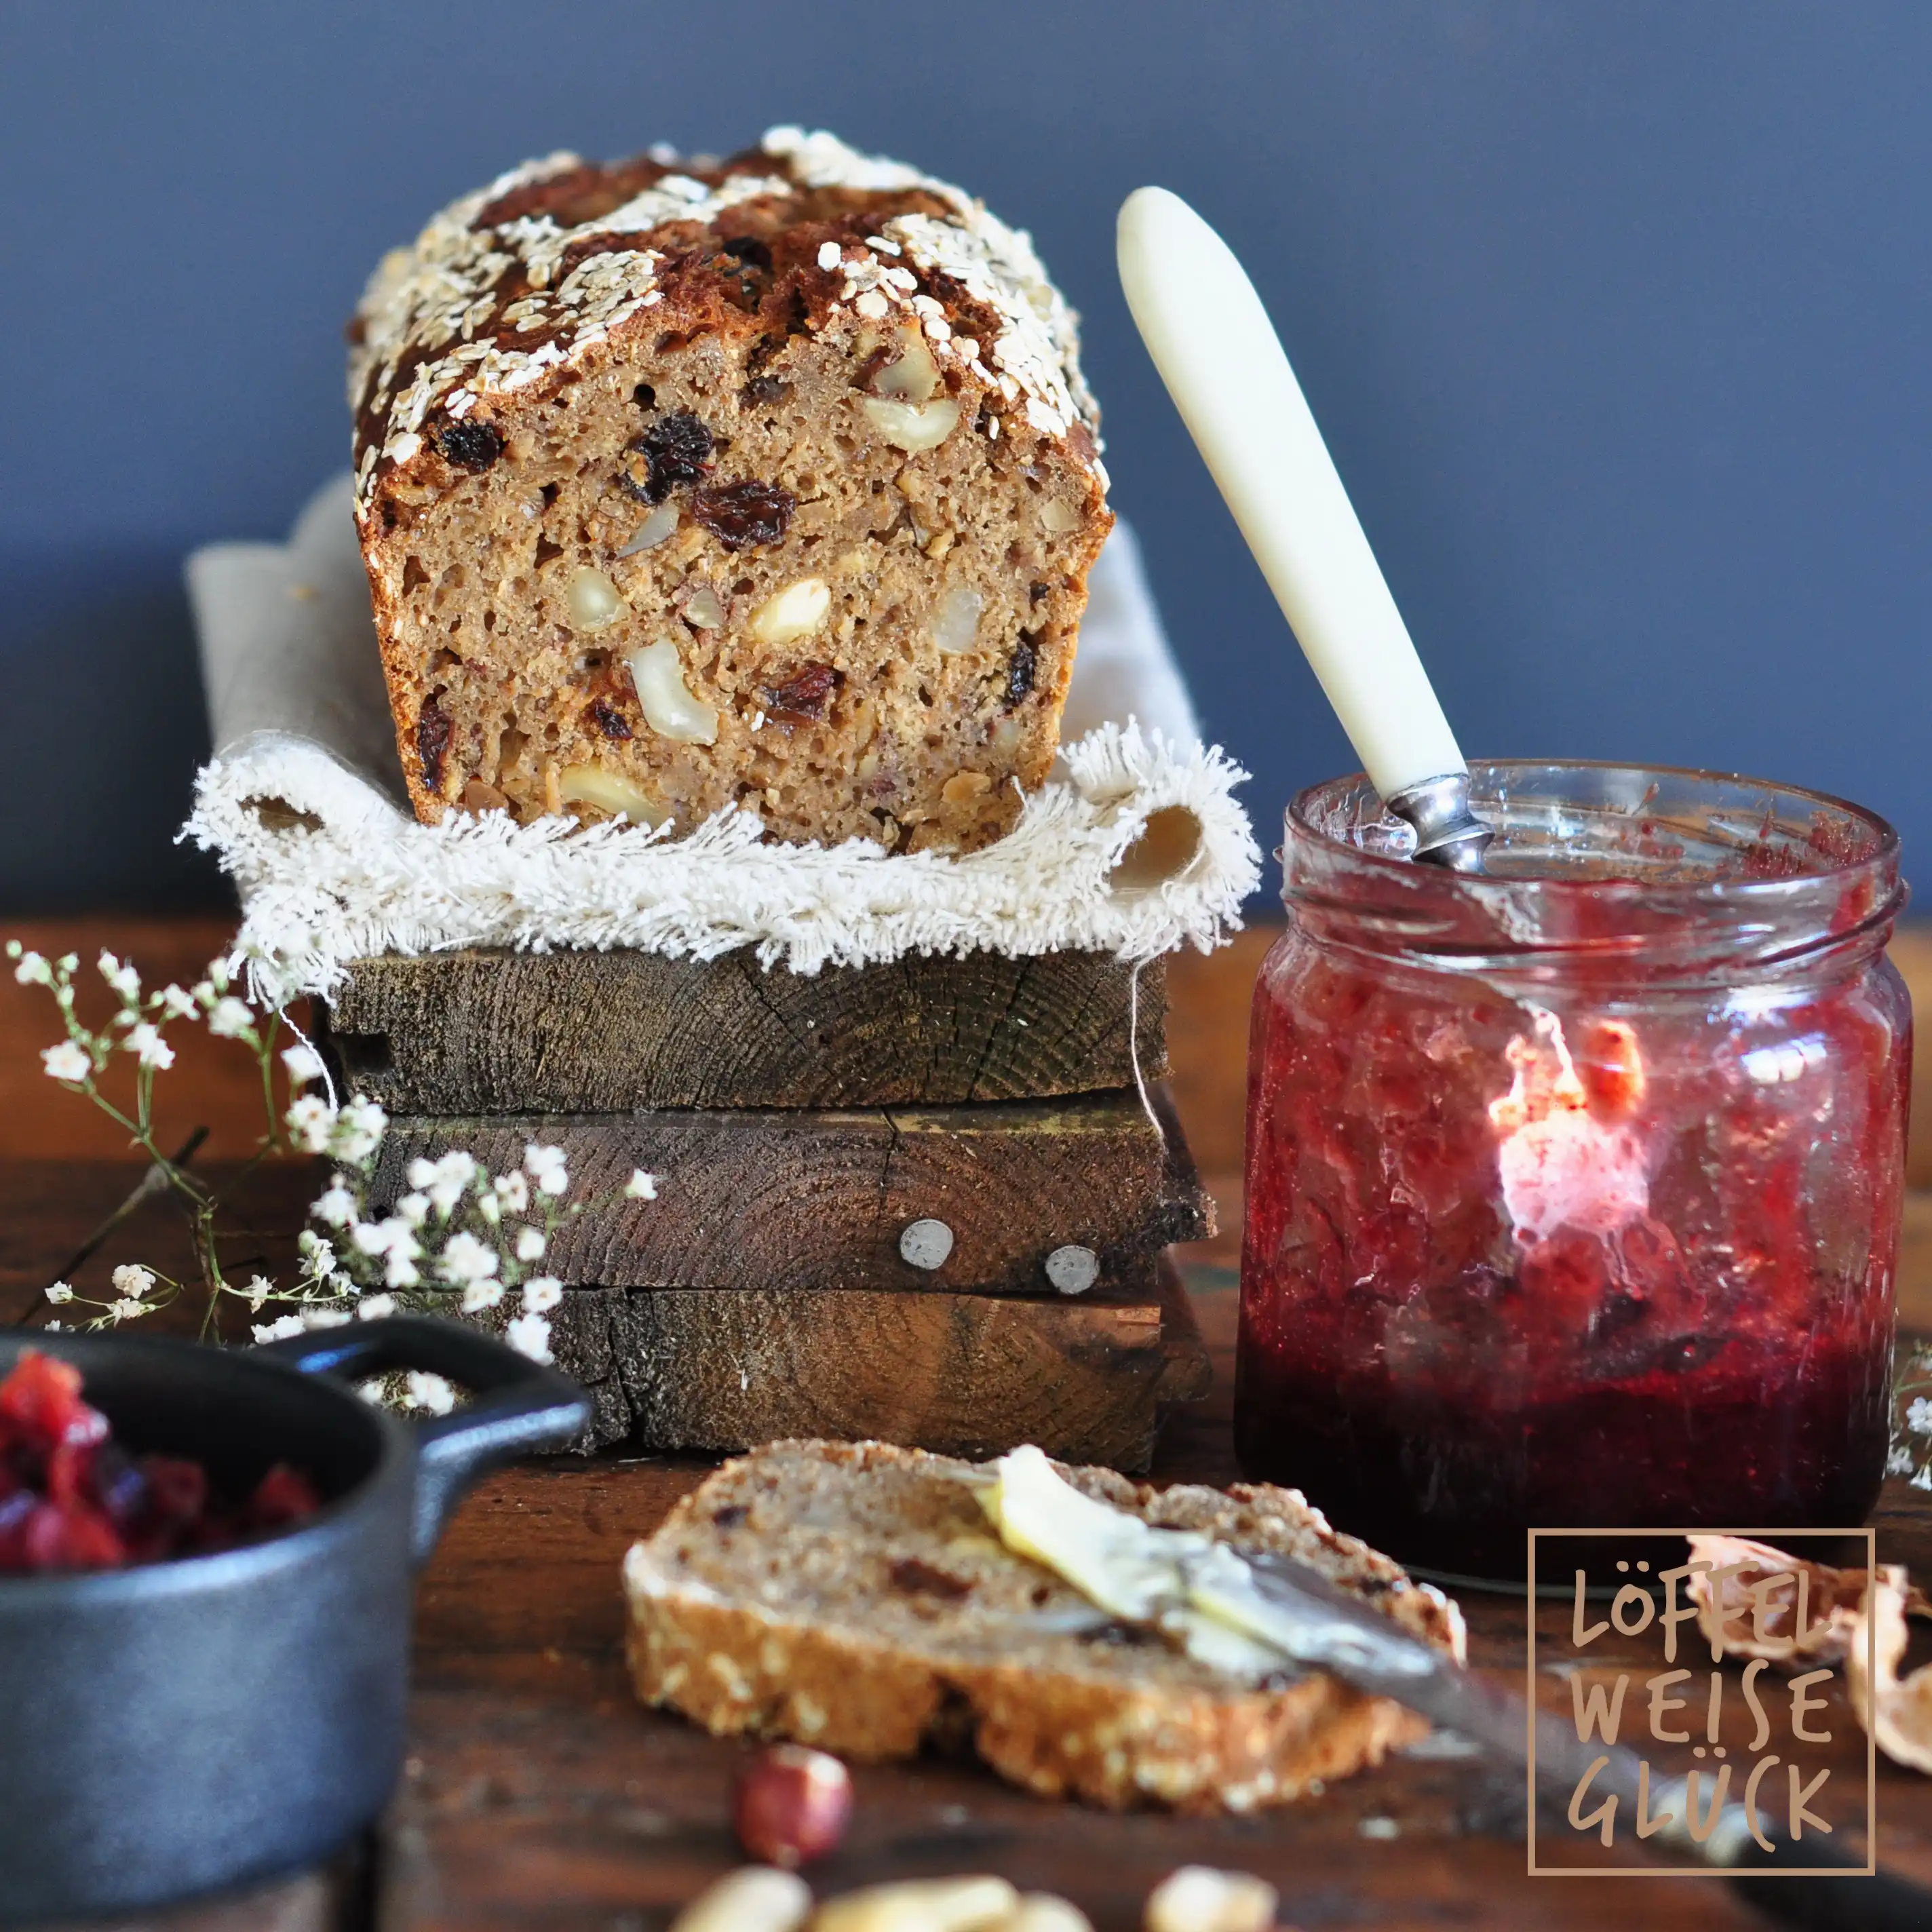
537,1793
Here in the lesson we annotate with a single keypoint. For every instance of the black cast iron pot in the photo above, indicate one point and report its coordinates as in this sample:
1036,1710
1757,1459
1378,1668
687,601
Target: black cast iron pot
179,1727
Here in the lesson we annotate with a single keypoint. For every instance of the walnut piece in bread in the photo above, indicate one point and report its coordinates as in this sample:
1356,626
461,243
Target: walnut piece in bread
770,481
853,1596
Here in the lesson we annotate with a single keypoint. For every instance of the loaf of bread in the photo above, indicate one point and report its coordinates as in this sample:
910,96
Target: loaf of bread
853,1596
770,481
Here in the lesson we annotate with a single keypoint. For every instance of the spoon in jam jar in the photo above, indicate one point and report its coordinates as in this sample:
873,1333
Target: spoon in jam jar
1223,365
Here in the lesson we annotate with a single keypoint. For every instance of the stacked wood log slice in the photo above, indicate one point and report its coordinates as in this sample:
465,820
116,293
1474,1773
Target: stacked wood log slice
928,1202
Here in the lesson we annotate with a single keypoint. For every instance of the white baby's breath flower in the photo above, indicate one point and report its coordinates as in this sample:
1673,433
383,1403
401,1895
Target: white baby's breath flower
444,1181
530,1244
359,1128
311,1120
125,981
231,1018
128,1310
337,1207
399,1271
464,1258
392,1237
529,1335
375,1307
145,1042
66,1062
430,1391
303,1062
541,1294
1923,1480
414,1208
59,1292
32,970
511,1192
258,1290
215,977
1899,1460
489,1207
176,1004
279,1330
1918,1416
55,1328
325,1318
545,1167
132,1281
641,1186
478,1295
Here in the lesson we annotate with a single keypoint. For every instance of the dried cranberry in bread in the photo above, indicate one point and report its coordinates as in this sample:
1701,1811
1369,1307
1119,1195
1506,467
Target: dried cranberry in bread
771,481
853,1596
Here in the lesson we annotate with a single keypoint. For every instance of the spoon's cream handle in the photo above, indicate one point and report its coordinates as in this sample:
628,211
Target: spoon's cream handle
1218,353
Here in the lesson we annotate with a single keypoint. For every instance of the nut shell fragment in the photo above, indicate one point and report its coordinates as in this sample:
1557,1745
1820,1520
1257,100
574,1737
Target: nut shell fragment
1896,1711
1856,1618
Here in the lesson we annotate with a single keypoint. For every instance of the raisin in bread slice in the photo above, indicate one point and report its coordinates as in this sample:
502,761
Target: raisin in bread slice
771,481
853,1595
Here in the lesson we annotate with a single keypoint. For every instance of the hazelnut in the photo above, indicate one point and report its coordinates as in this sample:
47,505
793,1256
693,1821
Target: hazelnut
1057,518
911,428
792,1805
1045,1912
963,787
478,795
913,376
1198,1898
920,1905
795,612
669,708
955,624
592,600
753,1899
591,785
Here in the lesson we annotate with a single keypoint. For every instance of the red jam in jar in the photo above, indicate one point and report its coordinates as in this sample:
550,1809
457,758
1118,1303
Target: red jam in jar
1573,1191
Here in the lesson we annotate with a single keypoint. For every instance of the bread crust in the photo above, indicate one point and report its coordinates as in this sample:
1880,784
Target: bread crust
521,378
1117,1728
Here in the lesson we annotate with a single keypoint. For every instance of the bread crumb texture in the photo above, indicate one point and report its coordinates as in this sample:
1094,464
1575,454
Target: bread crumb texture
854,1596
769,482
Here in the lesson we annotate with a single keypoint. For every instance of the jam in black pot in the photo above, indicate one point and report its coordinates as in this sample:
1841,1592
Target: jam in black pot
71,1499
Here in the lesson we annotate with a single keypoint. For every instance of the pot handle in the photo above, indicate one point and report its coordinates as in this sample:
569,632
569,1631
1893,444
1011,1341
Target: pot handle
516,1405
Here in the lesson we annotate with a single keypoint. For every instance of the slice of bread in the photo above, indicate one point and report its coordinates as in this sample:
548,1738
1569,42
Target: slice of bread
853,1595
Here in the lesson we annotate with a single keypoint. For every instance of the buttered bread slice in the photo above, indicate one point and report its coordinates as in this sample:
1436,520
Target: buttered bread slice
856,1597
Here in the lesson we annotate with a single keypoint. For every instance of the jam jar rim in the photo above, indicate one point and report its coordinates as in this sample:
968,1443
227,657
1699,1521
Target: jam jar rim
1841,907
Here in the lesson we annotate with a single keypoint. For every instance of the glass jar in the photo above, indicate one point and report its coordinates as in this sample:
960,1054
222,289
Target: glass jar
1573,1191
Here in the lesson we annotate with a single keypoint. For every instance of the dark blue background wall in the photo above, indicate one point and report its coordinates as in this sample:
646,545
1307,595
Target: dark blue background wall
1617,317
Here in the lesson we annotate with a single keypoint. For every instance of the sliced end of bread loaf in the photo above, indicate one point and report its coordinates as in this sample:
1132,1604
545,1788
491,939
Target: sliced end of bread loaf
853,1595
770,482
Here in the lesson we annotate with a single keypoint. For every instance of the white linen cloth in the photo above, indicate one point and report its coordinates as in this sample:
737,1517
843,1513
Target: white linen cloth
303,802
